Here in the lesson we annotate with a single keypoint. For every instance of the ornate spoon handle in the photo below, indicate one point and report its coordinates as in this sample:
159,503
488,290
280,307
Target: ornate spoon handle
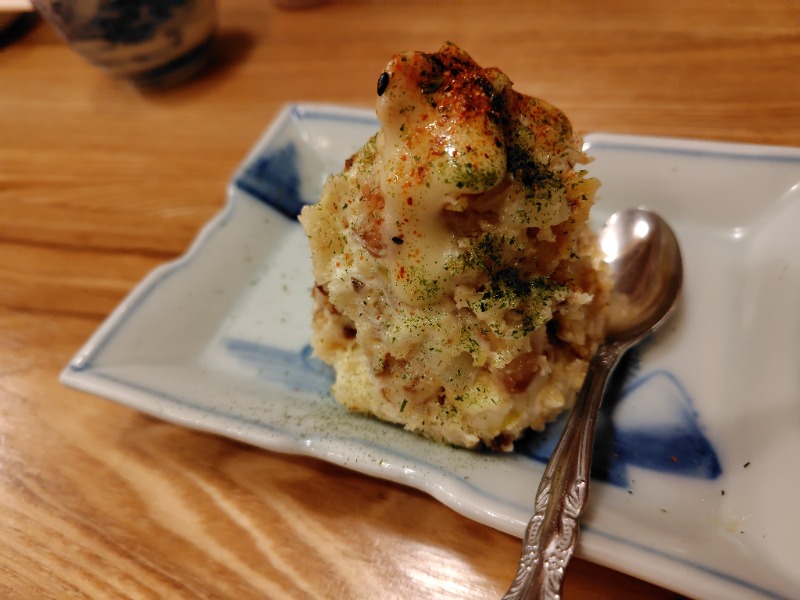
552,532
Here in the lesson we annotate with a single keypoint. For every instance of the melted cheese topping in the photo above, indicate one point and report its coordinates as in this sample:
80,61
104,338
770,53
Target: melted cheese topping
431,153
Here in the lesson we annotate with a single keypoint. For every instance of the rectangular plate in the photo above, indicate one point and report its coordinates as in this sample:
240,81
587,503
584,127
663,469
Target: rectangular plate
696,460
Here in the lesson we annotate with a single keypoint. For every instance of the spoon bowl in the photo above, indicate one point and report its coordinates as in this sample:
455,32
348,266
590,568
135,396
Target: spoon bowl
644,260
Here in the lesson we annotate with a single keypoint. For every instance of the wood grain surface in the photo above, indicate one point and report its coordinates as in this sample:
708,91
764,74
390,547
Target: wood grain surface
100,183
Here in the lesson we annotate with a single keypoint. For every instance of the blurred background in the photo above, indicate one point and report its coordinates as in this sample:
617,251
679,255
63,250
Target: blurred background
102,180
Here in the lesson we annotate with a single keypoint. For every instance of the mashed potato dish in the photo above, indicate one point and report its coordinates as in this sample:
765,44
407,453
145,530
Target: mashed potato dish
459,290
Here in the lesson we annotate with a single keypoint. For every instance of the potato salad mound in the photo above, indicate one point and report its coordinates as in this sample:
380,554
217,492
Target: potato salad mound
459,291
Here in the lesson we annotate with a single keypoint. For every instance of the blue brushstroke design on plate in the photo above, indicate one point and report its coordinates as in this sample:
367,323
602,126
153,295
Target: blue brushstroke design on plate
274,179
297,370
649,422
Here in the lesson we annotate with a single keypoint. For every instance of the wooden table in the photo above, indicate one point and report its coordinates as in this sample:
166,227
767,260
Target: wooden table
99,184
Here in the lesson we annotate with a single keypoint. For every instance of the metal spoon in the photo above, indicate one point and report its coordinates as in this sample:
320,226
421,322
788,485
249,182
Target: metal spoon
645,263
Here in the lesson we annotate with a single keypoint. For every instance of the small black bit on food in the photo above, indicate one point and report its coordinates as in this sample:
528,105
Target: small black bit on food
383,83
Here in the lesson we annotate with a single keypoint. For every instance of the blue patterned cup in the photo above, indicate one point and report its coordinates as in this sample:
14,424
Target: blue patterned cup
154,43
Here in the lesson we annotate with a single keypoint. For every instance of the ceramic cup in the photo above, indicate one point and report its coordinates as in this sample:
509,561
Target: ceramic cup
153,43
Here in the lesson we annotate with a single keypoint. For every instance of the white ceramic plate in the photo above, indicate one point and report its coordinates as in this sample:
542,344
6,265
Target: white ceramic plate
697,458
